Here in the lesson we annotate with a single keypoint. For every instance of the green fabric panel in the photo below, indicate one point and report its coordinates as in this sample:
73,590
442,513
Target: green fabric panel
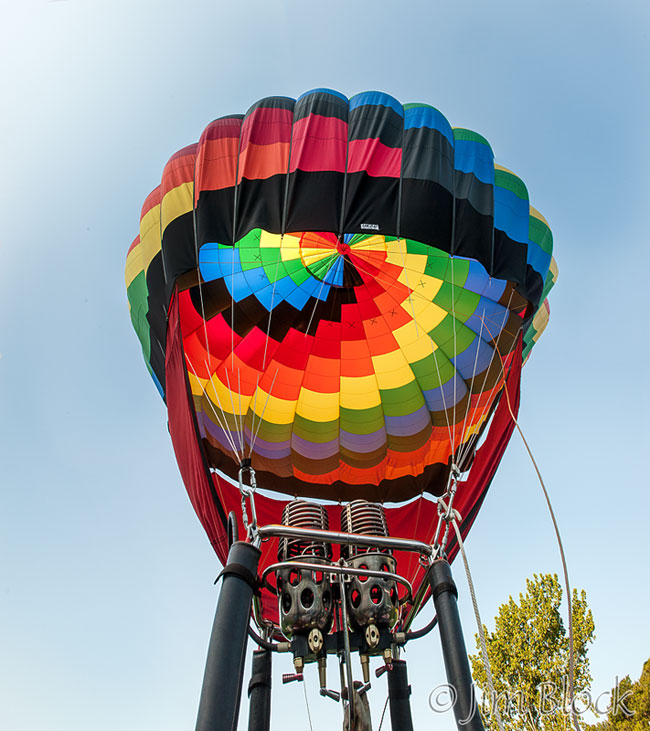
464,303
403,400
419,105
415,247
470,136
443,336
437,267
458,271
137,294
295,266
250,258
270,257
268,431
315,431
426,373
541,234
320,268
300,276
509,181
362,421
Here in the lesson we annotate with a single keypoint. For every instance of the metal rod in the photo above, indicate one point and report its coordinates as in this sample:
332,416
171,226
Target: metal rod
418,600
336,569
459,676
399,691
224,667
259,692
346,650
347,539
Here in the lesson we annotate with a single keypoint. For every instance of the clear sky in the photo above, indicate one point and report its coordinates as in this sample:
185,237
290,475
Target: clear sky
106,594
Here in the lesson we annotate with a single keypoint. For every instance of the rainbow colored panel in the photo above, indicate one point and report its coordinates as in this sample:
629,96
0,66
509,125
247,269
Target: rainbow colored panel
352,277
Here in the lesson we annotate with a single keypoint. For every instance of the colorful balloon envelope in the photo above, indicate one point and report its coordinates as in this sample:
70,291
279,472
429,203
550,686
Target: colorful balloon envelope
339,290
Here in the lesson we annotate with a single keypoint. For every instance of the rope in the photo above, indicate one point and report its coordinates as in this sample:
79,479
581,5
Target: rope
304,690
383,713
574,717
481,629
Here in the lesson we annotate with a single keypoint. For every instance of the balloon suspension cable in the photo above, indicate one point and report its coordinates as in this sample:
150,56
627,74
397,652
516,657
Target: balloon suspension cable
571,689
247,493
494,705
446,514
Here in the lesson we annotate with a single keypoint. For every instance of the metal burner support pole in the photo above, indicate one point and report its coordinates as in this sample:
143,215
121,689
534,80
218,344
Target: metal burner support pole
459,676
399,691
259,692
224,667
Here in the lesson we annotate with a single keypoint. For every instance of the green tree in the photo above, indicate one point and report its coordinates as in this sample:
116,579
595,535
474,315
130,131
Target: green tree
630,705
529,658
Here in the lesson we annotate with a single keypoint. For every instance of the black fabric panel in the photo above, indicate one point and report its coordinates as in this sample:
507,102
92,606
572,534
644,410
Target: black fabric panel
474,219
534,286
432,480
250,312
269,102
510,260
214,216
259,205
314,201
371,201
325,105
426,213
473,234
178,249
215,295
157,317
480,195
371,121
428,155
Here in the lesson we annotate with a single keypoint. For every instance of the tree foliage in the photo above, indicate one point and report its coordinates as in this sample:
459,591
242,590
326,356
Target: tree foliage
529,658
630,705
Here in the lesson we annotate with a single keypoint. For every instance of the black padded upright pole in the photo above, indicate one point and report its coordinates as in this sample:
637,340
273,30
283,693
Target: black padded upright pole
399,691
454,653
224,667
259,692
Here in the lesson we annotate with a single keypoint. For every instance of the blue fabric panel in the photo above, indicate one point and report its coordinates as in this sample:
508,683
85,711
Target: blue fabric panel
511,214
376,98
416,117
474,157
331,92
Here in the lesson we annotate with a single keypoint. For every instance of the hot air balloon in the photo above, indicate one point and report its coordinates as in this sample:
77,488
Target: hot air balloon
335,297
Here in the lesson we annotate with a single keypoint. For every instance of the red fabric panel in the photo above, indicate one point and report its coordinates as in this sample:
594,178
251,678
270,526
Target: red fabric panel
183,434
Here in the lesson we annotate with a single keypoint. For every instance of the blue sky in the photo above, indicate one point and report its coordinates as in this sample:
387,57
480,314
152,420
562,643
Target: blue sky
106,595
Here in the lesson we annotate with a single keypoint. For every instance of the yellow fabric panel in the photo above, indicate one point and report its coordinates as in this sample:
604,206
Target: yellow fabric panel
317,406
414,266
150,236
290,248
359,393
275,410
274,240
396,252
372,243
176,202
133,265
536,214
310,255
414,341
427,314
224,399
392,370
